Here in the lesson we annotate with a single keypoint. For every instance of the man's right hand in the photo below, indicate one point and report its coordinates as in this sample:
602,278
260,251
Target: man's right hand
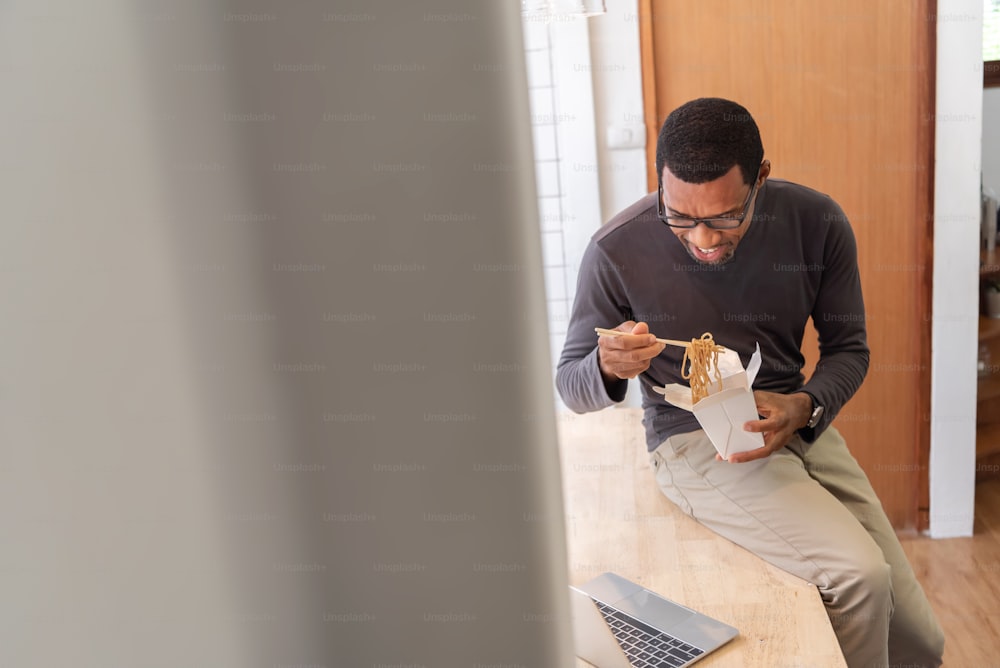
628,355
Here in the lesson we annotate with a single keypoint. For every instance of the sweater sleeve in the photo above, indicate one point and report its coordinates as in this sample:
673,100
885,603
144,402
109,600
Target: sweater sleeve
839,318
600,302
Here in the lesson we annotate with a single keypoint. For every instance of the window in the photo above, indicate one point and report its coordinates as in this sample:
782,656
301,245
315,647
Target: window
991,43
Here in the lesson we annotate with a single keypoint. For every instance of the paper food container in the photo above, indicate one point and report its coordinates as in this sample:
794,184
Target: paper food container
728,405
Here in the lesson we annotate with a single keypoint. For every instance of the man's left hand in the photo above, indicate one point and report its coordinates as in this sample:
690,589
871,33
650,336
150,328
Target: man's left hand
783,415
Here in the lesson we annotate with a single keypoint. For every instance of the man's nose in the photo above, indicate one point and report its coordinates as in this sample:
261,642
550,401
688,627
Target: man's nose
703,236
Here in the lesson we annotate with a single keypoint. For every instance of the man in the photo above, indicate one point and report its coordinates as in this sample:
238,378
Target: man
722,249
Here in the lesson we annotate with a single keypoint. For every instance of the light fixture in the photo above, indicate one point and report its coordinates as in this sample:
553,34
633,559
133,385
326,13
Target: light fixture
562,8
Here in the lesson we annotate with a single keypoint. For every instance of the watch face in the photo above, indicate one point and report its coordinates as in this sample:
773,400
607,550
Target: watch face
816,416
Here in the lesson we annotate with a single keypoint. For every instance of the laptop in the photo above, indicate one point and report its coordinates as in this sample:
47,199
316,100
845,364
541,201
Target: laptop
620,624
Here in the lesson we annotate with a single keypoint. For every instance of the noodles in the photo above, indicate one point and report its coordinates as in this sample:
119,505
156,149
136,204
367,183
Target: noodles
703,356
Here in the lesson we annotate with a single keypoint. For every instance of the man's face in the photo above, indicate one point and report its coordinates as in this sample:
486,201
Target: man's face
722,197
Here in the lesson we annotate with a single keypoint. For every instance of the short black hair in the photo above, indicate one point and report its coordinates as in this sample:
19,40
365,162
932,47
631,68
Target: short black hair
702,139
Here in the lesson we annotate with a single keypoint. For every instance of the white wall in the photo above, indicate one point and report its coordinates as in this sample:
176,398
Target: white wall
991,139
562,110
954,327
585,77
618,106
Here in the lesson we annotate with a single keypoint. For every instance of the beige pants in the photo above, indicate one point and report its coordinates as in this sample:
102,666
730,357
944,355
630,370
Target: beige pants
810,510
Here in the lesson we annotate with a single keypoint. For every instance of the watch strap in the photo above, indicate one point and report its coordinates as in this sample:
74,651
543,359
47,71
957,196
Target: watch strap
817,412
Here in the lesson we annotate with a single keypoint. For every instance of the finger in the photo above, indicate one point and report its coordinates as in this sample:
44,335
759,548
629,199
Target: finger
627,341
641,354
626,327
644,353
633,371
765,425
625,364
641,332
638,328
625,368
750,455
774,441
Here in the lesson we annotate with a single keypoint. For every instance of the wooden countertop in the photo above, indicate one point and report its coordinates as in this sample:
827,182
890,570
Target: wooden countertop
618,520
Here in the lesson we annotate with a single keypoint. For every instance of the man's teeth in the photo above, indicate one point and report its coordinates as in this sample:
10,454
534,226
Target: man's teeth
706,251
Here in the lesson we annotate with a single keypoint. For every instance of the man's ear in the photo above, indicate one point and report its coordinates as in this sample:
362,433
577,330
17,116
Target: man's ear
765,171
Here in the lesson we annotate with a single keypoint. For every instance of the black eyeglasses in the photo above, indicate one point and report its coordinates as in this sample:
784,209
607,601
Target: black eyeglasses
714,223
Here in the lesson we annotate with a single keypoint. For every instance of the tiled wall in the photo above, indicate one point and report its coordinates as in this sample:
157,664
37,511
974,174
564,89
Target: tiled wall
541,84
578,85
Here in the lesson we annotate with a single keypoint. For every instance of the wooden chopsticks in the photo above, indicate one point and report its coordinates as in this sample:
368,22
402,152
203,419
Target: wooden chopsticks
614,332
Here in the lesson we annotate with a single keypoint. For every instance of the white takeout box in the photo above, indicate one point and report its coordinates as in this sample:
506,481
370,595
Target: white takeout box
722,413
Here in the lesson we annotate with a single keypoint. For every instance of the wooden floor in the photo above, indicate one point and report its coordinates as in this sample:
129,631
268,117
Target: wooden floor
961,577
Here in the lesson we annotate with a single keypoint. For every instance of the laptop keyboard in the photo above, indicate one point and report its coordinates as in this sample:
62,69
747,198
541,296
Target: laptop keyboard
645,646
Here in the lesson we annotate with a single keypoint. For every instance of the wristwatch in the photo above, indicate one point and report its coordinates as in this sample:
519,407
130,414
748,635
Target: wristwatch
817,413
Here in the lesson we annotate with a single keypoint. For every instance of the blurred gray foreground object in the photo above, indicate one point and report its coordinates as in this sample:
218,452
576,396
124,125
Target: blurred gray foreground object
274,382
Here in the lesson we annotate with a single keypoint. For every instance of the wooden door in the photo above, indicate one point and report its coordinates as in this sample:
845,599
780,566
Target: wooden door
844,96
